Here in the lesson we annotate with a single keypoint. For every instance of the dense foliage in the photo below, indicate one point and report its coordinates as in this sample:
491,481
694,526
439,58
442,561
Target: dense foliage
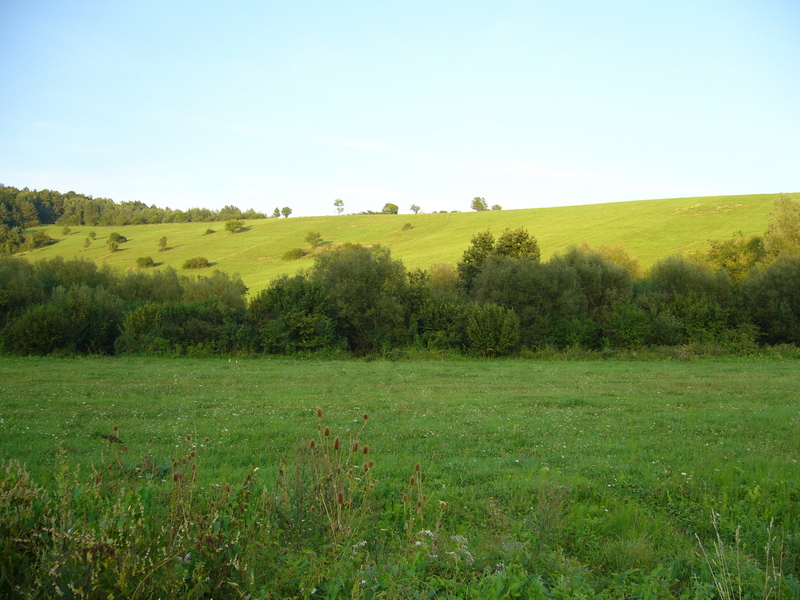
24,209
500,299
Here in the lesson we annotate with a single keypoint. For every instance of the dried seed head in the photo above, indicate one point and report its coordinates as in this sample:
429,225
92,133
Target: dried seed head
419,503
405,498
116,428
442,504
123,449
319,413
188,437
366,416
366,467
327,431
412,481
312,444
192,454
183,460
337,443
319,427
355,446
371,486
206,440
372,464
340,498
227,488
194,466
424,498
366,450
177,476
417,467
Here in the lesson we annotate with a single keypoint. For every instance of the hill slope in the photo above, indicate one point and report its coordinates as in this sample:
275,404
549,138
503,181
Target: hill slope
648,229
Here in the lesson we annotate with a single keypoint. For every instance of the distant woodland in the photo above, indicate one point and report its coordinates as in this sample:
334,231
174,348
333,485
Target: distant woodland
24,209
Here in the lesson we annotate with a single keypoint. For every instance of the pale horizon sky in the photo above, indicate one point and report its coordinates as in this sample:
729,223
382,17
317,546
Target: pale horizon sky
297,103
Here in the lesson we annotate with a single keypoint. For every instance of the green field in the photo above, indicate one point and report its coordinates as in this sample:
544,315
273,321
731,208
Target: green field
648,229
600,474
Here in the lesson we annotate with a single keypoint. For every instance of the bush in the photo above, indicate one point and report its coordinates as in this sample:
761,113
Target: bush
116,237
207,327
234,225
493,330
293,254
369,290
293,315
145,262
209,231
772,298
197,262
80,320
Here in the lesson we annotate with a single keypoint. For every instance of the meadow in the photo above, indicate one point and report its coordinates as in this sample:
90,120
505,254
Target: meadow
649,230
550,479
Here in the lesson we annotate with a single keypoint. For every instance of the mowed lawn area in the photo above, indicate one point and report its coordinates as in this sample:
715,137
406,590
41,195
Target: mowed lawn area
616,465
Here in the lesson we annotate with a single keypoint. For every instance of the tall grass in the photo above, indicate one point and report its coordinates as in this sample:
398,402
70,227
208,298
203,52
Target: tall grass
545,479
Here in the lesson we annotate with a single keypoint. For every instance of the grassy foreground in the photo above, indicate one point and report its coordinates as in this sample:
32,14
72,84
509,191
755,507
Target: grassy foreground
561,479
648,229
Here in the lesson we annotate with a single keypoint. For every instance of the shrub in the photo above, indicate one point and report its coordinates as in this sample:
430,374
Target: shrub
112,246
772,299
198,262
293,254
77,320
493,330
234,225
116,237
145,262
369,290
293,315
209,231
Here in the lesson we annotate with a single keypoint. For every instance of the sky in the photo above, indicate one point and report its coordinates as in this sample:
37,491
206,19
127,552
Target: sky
296,103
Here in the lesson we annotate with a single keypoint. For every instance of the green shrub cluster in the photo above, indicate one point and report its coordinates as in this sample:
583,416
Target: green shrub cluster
500,300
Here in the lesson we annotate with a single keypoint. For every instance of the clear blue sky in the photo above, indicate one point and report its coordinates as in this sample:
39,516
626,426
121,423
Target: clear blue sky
296,103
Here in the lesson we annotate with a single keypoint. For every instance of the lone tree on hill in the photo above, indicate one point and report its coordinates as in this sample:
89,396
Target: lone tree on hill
234,225
479,204
339,204
415,208
314,238
286,211
390,209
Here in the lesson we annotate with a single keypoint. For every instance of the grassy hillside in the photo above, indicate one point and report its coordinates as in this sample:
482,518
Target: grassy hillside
648,229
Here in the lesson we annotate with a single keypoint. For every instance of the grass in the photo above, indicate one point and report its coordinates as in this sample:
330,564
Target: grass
601,472
648,229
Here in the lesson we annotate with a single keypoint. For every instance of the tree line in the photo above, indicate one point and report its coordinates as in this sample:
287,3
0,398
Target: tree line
500,298
24,209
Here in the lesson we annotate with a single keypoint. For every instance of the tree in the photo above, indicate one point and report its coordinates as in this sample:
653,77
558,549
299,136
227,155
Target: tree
145,262
479,204
339,204
234,225
314,238
66,230
369,291
517,243
162,244
286,211
276,213
415,208
472,260
390,209
87,242
496,207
